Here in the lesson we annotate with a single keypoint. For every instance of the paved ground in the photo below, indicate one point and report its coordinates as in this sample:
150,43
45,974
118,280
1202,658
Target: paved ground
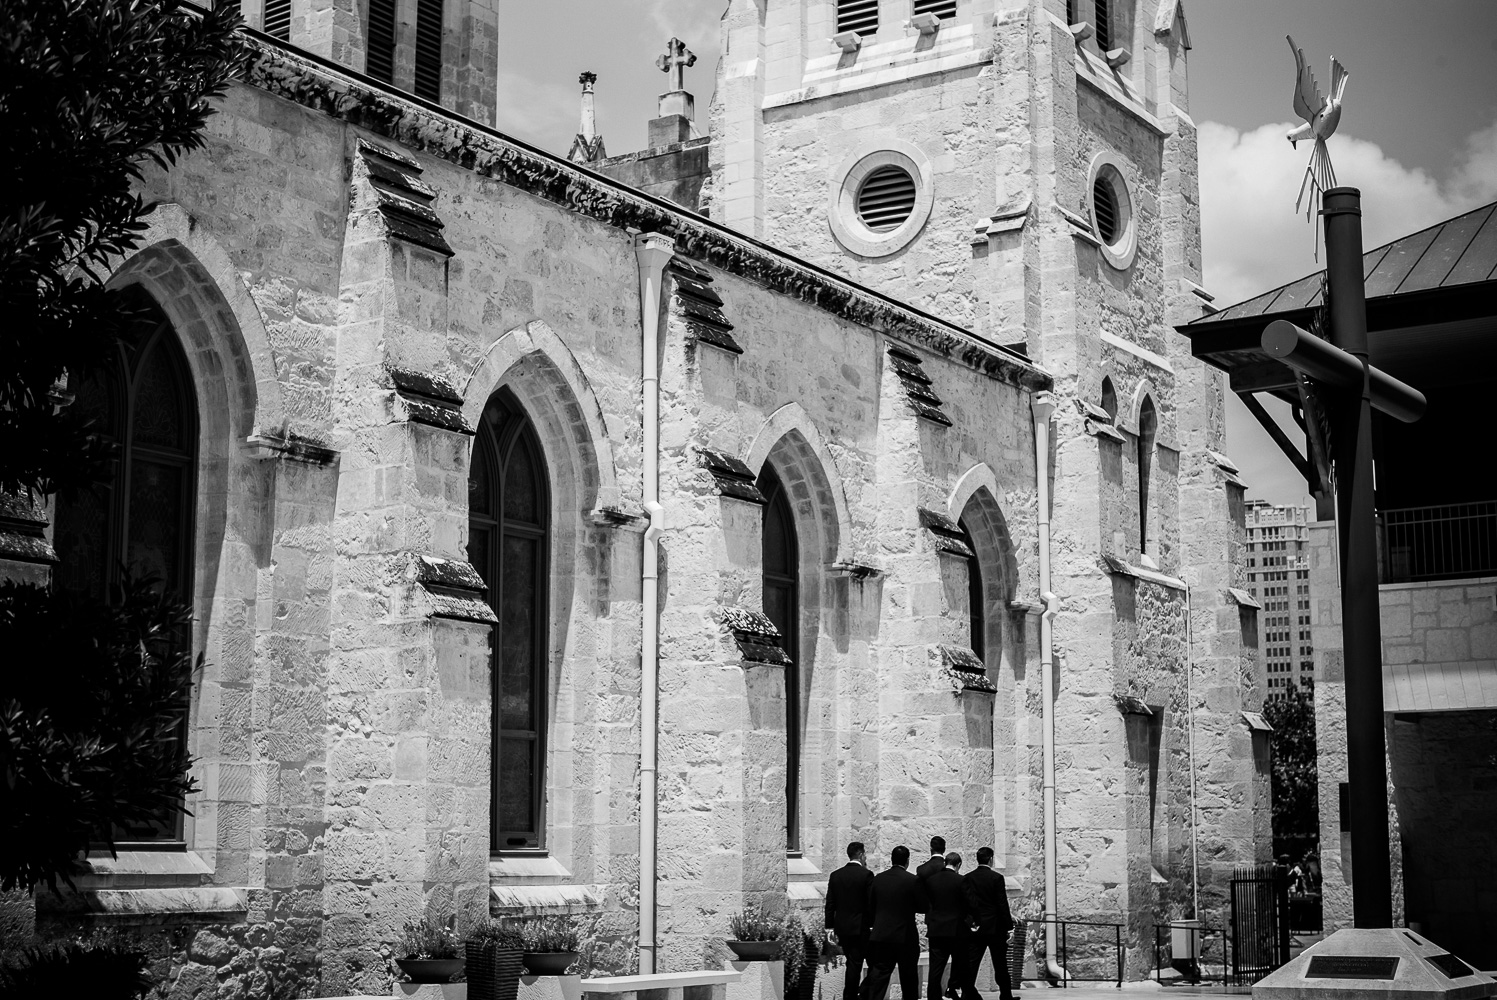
1100,991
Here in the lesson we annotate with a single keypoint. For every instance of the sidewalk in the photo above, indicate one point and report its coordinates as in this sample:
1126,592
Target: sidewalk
1103,991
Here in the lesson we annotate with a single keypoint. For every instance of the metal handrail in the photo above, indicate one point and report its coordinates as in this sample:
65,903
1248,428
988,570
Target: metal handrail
1441,542
1117,950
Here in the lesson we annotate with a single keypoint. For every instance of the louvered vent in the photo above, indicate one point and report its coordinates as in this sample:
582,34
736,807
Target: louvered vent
1103,26
857,15
940,8
1070,11
1105,210
380,62
278,19
886,199
429,49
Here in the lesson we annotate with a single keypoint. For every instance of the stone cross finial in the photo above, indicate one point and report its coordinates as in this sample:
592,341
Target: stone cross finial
587,79
677,57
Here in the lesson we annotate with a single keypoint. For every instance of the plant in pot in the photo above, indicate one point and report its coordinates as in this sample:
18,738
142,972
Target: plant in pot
758,935
550,945
495,960
429,951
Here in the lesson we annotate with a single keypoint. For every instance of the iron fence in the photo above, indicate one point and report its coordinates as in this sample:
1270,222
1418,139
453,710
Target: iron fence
1208,935
1088,955
1438,543
1259,922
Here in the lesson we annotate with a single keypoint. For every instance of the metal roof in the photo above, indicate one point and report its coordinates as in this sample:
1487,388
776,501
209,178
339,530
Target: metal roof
1460,251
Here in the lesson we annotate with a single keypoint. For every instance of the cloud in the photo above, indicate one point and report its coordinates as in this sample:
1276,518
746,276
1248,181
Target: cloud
544,114
1254,241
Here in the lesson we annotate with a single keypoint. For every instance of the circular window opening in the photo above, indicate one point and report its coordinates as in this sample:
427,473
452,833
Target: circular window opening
1107,211
886,199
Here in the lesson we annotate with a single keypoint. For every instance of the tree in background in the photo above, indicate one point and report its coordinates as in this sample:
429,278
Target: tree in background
1296,796
91,93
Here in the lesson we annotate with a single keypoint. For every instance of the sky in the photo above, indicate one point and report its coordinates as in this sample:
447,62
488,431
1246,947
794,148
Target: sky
1418,132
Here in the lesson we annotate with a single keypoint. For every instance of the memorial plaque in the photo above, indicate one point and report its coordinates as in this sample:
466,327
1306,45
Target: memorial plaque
1453,967
1352,967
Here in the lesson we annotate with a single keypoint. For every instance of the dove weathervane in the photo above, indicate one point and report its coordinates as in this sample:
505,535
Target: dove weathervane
1321,115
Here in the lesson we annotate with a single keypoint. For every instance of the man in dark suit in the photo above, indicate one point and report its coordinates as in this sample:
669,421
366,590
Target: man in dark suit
945,922
987,908
846,904
937,859
893,939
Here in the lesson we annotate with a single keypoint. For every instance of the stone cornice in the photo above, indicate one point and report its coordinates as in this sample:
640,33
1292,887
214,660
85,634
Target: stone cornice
326,88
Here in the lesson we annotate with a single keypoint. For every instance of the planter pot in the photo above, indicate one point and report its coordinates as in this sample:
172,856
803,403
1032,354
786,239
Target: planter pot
493,972
430,970
549,963
756,951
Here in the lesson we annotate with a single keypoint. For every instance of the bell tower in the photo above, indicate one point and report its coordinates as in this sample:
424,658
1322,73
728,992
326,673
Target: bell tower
1027,169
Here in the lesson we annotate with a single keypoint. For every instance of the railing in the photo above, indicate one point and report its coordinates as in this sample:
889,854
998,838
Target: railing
1064,958
1438,543
1206,936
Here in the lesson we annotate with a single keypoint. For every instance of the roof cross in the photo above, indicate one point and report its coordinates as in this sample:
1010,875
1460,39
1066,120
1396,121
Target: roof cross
675,60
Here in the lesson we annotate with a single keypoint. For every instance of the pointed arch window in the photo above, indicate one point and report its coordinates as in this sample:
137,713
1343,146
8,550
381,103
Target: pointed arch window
508,543
140,519
977,619
1148,426
1109,399
781,599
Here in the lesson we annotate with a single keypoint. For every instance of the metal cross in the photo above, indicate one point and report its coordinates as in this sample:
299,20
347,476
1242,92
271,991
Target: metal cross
677,57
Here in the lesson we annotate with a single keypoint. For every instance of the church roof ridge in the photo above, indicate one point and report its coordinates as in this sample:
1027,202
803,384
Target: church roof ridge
322,85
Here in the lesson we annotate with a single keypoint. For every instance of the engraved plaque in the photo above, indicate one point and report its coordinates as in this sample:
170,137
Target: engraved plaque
1447,963
1352,967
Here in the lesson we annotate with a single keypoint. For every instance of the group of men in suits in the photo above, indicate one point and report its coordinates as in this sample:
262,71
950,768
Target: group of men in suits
872,918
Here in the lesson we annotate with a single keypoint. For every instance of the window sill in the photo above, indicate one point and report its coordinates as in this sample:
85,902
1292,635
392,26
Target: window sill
143,869
126,907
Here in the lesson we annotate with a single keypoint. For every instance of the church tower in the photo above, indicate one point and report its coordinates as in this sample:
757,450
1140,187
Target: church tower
1027,168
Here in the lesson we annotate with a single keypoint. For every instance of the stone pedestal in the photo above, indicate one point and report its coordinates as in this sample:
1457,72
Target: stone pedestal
758,981
668,130
550,988
430,991
1382,962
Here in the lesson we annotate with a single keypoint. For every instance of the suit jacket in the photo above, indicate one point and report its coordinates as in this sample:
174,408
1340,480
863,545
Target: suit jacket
847,901
945,903
932,864
987,901
893,901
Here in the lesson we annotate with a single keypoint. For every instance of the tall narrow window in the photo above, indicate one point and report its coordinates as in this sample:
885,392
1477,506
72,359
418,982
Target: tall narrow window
277,19
380,62
1147,426
140,519
508,529
1110,399
429,49
782,606
857,15
1103,25
977,619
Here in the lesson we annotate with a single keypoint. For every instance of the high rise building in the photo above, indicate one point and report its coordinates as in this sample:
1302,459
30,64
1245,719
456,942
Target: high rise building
1278,573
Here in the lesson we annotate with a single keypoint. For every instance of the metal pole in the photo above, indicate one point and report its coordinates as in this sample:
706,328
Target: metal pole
1372,895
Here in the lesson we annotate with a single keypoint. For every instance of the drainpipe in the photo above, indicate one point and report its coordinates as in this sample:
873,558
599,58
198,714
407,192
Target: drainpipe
1190,731
1042,406
652,251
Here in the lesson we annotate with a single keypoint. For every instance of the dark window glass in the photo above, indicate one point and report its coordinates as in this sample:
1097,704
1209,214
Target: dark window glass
1110,399
140,518
1147,426
977,619
781,556
507,543
1104,24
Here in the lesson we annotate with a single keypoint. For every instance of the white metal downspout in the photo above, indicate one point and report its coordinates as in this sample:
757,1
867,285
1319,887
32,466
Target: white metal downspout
1190,706
1042,406
652,251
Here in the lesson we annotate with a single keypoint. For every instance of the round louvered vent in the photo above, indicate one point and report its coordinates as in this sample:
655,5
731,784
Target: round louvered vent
886,199
1105,210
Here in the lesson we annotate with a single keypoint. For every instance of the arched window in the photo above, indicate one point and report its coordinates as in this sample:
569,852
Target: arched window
140,519
508,527
782,606
1147,427
1110,399
977,619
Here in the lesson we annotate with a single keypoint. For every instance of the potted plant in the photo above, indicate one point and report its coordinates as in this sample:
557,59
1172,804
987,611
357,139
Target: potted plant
758,936
550,945
429,951
495,959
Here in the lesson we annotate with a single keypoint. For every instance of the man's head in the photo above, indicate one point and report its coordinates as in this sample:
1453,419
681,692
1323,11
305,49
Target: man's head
954,861
985,855
938,845
856,853
900,857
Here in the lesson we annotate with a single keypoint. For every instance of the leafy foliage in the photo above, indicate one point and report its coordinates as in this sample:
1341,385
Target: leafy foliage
782,923
90,722
426,938
498,934
1296,802
91,91
100,969
549,933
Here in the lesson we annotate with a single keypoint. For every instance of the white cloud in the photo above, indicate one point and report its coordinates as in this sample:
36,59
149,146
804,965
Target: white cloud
544,114
1254,241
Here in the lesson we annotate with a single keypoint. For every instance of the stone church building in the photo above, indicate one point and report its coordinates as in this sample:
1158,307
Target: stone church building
562,543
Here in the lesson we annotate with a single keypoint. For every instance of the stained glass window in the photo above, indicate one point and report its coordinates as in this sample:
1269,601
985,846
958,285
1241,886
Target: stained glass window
508,526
